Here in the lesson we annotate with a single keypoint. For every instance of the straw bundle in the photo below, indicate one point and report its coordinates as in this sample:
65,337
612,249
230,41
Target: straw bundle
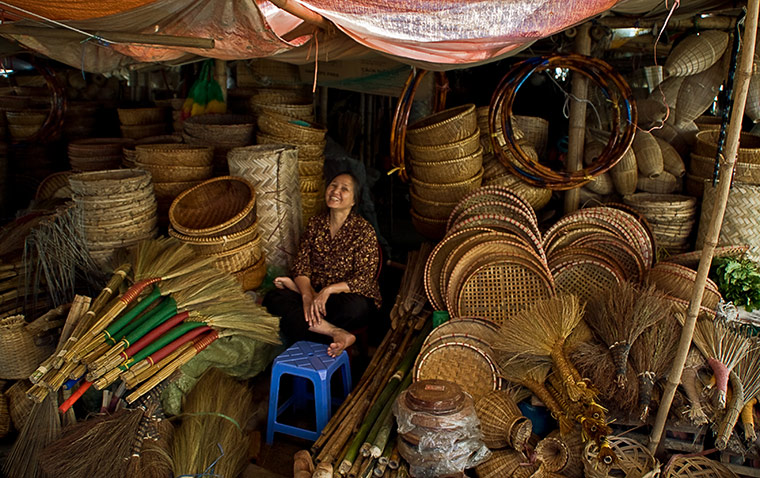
745,385
698,92
211,436
42,428
696,53
648,154
272,170
594,361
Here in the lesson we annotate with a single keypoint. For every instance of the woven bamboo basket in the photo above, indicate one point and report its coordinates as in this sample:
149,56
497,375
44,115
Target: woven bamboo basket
55,185
696,53
139,131
141,116
164,173
102,183
535,132
296,110
223,205
613,247
431,228
311,184
536,197
505,463
662,208
664,183
311,167
174,155
431,209
306,151
501,422
442,152
19,355
446,192
272,170
633,458
222,128
753,98
708,122
703,168
293,129
678,281
648,154
26,118
749,146
553,454
601,184
274,96
252,277
449,125
498,207
476,327
239,258
206,245
170,190
696,467
671,160
448,171
95,147
21,132
101,164
698,92
740,224
19,405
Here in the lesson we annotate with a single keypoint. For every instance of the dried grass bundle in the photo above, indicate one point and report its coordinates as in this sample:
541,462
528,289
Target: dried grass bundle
41,428
214,413
692,386
652,355
155,456
745,385
620,316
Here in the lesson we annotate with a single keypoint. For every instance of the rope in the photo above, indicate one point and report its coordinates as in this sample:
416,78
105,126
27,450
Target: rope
617,93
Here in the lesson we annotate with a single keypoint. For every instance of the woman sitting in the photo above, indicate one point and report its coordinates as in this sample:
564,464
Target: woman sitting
334,286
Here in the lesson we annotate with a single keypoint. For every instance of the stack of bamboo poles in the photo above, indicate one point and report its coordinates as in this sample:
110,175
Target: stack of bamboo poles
145,334
358,439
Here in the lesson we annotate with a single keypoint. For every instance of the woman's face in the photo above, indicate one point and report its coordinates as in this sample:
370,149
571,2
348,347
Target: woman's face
339,193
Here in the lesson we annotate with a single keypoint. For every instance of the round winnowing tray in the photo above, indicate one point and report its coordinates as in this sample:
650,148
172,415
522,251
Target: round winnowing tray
586,278
468,326
493,207
503,223
495,192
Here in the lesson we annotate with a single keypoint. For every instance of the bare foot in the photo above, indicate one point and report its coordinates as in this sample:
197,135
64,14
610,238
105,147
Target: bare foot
285,283
341,341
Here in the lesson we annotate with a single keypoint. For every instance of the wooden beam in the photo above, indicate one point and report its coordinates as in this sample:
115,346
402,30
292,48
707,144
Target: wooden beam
309,16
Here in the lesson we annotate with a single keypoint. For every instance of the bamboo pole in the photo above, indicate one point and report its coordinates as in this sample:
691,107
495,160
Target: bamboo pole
298,10
577,120
741,86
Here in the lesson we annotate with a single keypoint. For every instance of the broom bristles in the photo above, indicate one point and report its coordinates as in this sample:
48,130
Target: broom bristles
656,347
42,427
594,361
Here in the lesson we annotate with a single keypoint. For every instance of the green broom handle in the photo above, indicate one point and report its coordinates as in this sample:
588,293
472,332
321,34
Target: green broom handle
116,327
165,339
161,314
130,327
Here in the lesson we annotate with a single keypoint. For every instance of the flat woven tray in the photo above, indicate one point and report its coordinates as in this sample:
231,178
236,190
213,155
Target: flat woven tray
501,193
494,207
585,277
505,224
470,326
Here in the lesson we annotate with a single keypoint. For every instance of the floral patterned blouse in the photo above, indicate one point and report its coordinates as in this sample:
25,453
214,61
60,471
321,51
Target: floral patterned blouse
351,256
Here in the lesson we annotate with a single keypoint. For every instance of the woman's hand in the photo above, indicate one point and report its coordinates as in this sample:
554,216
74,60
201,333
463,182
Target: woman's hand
308,310
319,304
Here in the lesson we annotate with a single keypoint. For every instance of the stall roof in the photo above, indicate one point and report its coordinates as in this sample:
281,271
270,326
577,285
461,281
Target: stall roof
436,34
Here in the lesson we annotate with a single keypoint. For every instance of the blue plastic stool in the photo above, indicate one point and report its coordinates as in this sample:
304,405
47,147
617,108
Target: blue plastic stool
310,361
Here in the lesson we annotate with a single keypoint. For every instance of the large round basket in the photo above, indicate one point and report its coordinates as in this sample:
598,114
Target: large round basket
446,192
19,355
450,170
740,224
444,127
141,116
171,190
685,466
749,146
206,245
175,155
291,129
223,205
164,173
96,147
703,167
111,182
443,152
237,129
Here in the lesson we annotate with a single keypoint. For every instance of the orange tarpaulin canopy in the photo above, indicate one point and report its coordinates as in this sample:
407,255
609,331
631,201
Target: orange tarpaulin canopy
77,9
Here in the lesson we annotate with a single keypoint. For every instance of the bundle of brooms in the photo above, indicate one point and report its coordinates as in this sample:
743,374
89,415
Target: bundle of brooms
358,439
145,334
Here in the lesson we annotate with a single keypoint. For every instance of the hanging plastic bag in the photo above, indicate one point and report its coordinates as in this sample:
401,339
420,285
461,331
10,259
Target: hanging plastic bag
205,95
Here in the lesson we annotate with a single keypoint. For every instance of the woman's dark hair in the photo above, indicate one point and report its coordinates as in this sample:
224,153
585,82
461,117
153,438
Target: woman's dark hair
354,179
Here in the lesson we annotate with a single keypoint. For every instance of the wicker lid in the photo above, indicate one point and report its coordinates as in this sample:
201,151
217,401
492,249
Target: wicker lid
434,396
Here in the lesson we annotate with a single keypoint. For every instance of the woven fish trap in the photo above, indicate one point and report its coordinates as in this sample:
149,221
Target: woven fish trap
174,155
239,258
206,245
449,125
429,227
502,424
111,182
648,154
165,173
446,192
497,193
19,355
633,458
500,208
311,167
296,130
740,224
698,92
140,131
537,197
272,170
449,170
696,53
446,151
749,146
535,132
435,263
703,167
224,128
19,405
170,190
671,160
503,463
252,277
696,467
96,147
585,276
625,181
431,209
141,116
553,454
476,372
663,183
601,184
223,205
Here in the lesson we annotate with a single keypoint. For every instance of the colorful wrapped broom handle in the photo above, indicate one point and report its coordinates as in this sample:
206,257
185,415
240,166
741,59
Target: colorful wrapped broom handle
69,402
154,334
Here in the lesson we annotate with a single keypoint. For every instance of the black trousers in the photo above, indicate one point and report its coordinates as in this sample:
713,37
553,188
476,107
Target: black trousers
347,311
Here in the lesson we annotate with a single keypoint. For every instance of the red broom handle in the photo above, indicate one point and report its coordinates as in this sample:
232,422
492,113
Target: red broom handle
154,334
137,288
69,402
158,356
203,342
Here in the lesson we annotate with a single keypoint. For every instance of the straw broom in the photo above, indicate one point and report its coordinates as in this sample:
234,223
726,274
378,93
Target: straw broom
690,382
594,361
620,316
155,456
651,356
41,428
745,385
214,414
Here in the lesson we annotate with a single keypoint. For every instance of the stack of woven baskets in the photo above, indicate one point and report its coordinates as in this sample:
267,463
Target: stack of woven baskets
702,165
175,168
218,219
96,154
310,140
118,209
446,163
291,102
138,123
129,153
221,131
23,125
671,217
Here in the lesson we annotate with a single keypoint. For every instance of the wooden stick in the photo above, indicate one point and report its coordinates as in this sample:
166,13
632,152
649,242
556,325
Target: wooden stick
577,119
298,10
741,87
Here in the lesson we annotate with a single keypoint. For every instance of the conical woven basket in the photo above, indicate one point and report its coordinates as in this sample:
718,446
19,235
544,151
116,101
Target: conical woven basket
740,224
273,172
696,53
698,92
501,422
648,154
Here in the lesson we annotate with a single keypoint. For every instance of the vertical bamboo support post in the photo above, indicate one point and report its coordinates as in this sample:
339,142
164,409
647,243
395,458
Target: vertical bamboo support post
220,75
741,86
577,120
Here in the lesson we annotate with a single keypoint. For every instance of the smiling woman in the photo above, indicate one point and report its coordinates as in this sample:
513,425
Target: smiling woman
334,285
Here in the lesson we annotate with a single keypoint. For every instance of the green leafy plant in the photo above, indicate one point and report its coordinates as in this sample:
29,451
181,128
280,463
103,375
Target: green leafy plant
739,281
